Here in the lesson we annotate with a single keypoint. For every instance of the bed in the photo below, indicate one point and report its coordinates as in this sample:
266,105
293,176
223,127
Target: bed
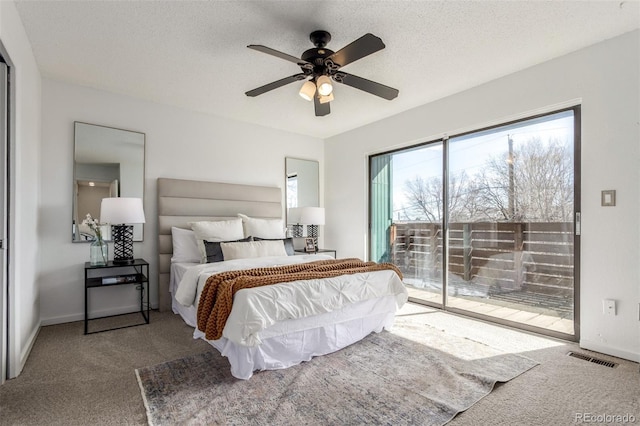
322,315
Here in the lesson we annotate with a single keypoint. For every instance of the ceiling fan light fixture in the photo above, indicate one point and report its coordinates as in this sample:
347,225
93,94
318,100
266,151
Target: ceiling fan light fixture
307,90
324,85
320,67
325,99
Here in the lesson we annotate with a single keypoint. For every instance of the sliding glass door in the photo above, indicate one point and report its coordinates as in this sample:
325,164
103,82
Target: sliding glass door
483,223
407,209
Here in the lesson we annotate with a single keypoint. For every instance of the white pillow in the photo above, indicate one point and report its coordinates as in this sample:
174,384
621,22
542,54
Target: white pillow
219,230
252,249
185,246
262,228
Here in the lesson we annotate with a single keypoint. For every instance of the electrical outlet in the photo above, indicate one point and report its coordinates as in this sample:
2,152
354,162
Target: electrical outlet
609,307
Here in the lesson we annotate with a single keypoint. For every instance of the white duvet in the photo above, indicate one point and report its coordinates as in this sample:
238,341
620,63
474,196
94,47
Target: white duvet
254,310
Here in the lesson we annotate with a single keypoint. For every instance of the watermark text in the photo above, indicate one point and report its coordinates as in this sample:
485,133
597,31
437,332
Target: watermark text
604,418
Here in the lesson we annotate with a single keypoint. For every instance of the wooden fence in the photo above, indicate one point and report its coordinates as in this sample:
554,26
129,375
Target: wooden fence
534,257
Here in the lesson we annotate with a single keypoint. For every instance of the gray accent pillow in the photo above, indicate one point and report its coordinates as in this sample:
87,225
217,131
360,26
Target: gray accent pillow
214,251
288,244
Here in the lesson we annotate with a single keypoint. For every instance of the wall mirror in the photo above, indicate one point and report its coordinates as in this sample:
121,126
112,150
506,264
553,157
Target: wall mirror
107,162
303,187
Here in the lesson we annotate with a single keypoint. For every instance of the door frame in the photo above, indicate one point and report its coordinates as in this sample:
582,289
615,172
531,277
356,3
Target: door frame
9,357
4,296
577,126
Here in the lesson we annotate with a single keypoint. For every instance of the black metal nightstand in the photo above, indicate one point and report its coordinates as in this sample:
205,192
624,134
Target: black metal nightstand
302,251
137,274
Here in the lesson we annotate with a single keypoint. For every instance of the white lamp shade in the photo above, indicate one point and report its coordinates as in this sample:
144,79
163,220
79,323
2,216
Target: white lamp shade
121,210
324,85
307,90
293,215
312,215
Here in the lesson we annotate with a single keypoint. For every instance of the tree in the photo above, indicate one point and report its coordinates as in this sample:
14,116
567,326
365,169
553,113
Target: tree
426,200
542,189
534,184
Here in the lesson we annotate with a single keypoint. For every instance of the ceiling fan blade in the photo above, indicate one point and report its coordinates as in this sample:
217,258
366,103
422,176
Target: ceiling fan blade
285,56
365,45
369,86
274,85
321,109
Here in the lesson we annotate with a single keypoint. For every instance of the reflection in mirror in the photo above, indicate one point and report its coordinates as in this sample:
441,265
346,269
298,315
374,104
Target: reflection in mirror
107,162
303,188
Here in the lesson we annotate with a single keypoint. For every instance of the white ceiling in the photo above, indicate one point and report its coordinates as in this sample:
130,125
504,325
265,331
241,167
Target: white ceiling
193,54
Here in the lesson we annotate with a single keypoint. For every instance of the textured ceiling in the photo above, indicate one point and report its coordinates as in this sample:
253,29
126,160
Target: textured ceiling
193,54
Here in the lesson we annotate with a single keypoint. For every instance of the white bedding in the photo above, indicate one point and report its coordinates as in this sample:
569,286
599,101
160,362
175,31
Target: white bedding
256,309
193,279
280,325
188,313
300,340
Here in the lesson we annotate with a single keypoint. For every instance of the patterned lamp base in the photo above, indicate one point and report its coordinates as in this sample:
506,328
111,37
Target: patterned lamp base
122,243
296,231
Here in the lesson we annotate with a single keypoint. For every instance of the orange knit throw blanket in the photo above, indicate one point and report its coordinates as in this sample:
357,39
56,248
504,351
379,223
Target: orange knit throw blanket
217,296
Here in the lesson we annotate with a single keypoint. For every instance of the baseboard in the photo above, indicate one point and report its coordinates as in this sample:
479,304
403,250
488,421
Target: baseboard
608,350
62,319
95,314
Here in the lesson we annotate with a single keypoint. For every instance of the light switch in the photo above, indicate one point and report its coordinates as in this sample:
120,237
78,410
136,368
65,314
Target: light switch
609,307
608,198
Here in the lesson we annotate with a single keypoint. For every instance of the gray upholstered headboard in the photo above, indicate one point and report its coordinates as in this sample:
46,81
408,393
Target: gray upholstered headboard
182,201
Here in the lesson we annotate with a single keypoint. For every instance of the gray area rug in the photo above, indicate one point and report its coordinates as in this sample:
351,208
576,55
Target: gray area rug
415,375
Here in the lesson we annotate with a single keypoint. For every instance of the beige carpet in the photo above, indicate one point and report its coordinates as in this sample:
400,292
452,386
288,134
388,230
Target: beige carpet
425,378
72,379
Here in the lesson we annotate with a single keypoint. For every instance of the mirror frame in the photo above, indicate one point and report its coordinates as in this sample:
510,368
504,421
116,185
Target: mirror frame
115,136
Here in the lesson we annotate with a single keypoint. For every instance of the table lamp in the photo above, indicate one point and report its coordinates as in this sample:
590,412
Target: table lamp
312,217
122,213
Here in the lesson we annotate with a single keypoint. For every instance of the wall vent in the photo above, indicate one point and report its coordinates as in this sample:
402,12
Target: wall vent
592,359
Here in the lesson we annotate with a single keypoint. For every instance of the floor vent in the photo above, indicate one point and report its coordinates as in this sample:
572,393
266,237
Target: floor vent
592,359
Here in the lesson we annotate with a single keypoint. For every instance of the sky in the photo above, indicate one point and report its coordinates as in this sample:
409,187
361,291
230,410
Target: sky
471,152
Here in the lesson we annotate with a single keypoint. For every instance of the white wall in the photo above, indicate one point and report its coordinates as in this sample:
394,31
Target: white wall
179,144
606,78
24,306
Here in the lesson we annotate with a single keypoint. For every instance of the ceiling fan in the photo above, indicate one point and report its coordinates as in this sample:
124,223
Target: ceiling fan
320,66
